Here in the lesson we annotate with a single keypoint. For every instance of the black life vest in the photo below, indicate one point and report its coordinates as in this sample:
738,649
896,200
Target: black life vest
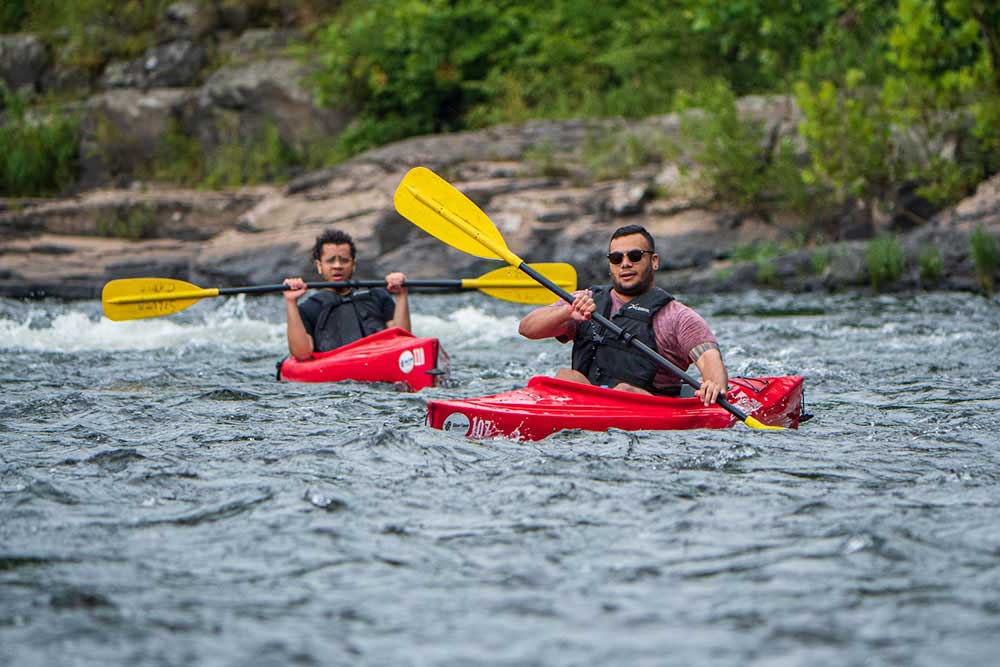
343,319
605,358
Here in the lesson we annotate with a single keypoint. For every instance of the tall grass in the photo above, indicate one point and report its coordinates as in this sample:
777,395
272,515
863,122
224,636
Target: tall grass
885,261
930,263
262,158
38,150
985,257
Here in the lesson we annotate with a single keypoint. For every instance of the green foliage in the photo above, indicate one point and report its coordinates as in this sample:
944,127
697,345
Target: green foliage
897,90
754,44
544,160
885,260
180,159
402,65
617,154
847,134
946,78
571,59
265,157
819,259
930,264
758,251
38,149
846,129
764,255
417,66
985,257
733,157
133,224
728,152
767,274
89,33
12,14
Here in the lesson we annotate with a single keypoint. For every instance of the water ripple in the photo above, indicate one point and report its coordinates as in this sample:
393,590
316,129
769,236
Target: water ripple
164,501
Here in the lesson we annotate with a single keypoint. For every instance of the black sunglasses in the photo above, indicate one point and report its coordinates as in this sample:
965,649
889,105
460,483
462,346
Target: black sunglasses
633,256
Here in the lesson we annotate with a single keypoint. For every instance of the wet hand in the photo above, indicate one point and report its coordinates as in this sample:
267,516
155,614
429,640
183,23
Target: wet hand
394,282
710,391
297,287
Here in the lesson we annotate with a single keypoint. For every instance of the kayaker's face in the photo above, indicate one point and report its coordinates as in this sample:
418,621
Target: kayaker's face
335,263
633,275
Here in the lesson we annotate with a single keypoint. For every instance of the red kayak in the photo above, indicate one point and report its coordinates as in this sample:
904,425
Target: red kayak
548,405
392,355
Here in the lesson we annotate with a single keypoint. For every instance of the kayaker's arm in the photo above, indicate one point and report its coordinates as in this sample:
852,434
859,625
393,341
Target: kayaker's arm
714,378
401,314
559,319
300,343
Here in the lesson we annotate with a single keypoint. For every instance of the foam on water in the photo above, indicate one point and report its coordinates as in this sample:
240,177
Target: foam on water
75,330
466,327
232,323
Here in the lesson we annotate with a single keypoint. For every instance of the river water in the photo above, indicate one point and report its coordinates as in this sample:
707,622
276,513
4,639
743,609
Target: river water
163,501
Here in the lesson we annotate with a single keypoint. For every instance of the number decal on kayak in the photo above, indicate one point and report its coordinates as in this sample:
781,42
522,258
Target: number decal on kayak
476,428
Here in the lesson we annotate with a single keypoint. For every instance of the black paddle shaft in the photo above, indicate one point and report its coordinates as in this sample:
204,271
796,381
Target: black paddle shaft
629,339
262,289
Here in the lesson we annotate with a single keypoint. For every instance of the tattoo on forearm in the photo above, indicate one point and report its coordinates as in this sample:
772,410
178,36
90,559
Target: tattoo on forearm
699,350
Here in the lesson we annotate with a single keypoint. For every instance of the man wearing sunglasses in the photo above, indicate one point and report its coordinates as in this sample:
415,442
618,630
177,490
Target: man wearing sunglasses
633,302
334,317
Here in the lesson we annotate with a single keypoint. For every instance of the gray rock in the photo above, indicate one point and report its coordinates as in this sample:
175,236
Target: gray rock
122,131
256,43
172,65
255,95
264,235
23,61
189,20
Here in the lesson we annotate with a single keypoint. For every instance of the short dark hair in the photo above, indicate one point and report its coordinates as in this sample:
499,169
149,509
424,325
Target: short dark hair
334,236
628,230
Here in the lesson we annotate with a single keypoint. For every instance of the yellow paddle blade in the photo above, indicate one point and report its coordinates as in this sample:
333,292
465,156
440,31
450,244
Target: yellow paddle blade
510,284
141,298
761,426
438,208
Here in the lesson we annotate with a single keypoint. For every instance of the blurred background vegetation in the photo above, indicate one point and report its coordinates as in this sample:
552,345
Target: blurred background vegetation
891,92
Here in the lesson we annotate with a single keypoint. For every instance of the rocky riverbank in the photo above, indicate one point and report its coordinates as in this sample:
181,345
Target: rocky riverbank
69,248
214,75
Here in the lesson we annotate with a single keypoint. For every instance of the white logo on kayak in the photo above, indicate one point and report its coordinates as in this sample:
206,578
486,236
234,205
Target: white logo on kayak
456,421
406,361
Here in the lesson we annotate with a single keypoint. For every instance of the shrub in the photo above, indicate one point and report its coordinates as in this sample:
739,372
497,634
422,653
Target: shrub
137,223
543,160
39,151
767,273
616,154
885,261
985,257
930,263
756,251
819,259
12,15
266,157
727,151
